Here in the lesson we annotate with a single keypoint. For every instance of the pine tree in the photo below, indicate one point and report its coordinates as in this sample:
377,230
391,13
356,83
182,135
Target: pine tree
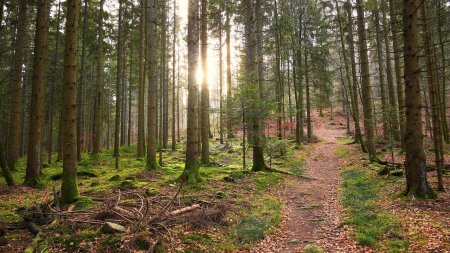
69,188
191,170
37,95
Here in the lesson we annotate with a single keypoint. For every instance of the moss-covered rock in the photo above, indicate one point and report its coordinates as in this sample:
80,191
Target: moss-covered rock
111,228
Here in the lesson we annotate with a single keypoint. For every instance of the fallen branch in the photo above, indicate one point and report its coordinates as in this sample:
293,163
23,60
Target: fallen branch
184,210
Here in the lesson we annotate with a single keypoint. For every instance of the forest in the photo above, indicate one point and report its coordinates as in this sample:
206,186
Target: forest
224,126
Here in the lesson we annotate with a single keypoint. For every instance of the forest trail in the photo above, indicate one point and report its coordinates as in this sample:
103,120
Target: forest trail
311,206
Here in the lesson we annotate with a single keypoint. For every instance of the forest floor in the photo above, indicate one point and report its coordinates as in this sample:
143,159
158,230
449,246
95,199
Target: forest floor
333,201
317,218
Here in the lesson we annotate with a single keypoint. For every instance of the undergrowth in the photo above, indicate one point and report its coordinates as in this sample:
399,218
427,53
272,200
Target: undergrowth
372,226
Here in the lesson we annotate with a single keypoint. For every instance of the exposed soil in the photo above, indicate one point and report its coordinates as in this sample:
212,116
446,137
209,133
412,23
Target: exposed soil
311,205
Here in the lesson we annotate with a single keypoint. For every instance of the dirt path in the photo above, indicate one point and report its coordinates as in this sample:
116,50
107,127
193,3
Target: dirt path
311,207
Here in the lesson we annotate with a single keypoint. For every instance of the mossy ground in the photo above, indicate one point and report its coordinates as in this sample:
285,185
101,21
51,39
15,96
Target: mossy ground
373,227
256,212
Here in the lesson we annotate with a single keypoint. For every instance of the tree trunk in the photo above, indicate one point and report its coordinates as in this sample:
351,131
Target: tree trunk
98,119
230,133
252,79
16,87
433,91
353,97
141,95
152,112
393,109
443,107
5,170
119,81
82,82
416,175
278,75
299,90
308,100
130,98
174,64
366,88
69,188
398,72
384,103
37,94
205,120
191,170
221,123
354,84
54,85
164,82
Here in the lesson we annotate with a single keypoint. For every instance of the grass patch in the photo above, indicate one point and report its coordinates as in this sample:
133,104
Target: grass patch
360,195
345,140
342,152
266,180
264,216
312,248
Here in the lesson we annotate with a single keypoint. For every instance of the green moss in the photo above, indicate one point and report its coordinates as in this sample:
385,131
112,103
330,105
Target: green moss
191,173
312,248
127,185
152,164
151,192
115,178
84,202
70,240
34,182
69,188
142,244
266,180
361,191
342,152
79,174
396,245
264,216
202,238
109,243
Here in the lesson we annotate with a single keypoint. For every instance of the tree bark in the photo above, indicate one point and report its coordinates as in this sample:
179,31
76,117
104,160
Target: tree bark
416,175
384,103
393,109
221,123
69,188
164,106
191,170
205,120
252,80
174,64
354,89
5,170
54,85
119,83
82,83
152,112
398,72
366,88
433,91
141,95
16,87
230,133
37,95
309,130
98,119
